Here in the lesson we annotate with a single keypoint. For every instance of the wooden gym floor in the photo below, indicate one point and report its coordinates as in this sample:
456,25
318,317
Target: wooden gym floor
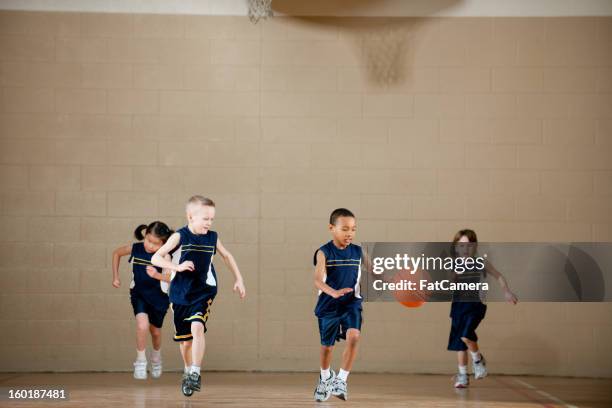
295,390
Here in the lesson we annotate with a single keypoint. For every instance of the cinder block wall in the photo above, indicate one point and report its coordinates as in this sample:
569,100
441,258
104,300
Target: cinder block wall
421,126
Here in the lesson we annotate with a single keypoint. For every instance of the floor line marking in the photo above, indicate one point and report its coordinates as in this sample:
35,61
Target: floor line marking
545,394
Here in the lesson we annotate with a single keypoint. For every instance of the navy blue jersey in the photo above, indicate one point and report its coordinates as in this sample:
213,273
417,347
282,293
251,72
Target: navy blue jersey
469,276
343,270
144,285
189,287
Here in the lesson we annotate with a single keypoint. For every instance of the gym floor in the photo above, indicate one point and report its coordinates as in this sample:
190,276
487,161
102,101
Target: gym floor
295,389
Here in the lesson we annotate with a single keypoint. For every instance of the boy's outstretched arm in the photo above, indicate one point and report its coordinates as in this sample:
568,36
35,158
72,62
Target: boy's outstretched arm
161,258
230,262
510,296
164,275
117,254
319,281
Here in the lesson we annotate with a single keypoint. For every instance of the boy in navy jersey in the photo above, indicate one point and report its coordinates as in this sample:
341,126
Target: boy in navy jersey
194,286
337,276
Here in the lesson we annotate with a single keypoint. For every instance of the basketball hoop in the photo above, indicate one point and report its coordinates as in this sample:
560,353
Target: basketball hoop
259,9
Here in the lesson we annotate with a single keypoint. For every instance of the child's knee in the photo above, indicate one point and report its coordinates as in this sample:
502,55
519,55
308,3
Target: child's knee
467,341
155,331
353,337
142,325
326,349
197,330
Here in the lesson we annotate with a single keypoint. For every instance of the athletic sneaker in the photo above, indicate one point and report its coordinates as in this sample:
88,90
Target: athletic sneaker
156,369
195,381
462,381
324,387
339,389
188,392
480,368
140,369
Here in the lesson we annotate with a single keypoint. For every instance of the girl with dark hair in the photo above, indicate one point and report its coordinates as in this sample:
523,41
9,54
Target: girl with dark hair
149,299
468,310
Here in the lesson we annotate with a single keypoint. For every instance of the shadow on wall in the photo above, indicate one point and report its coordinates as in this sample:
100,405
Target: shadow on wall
384,44
585,274
568,273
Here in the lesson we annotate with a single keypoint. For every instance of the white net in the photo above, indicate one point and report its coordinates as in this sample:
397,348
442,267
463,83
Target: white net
259,9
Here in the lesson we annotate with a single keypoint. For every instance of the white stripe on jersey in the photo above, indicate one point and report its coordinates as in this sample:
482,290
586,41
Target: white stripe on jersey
357,288
210,278
324,280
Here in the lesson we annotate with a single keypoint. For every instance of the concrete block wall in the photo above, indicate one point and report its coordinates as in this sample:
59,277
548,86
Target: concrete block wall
421,126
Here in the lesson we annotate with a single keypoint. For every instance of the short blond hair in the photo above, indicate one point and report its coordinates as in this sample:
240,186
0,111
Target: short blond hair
199,200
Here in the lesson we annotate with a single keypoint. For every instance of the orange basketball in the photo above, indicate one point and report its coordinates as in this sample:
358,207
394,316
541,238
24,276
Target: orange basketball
414,297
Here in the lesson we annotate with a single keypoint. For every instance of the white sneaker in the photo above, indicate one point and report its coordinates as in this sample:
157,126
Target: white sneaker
156,369
462,381
140,370
324,387
339,389
480,368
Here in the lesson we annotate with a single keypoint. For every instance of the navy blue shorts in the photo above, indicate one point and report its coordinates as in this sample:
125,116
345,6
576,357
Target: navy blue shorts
156,316
333,327
465,318
185,315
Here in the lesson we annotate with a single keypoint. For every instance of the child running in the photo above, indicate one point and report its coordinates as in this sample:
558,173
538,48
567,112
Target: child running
194,285
338,310
149,301
468,310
